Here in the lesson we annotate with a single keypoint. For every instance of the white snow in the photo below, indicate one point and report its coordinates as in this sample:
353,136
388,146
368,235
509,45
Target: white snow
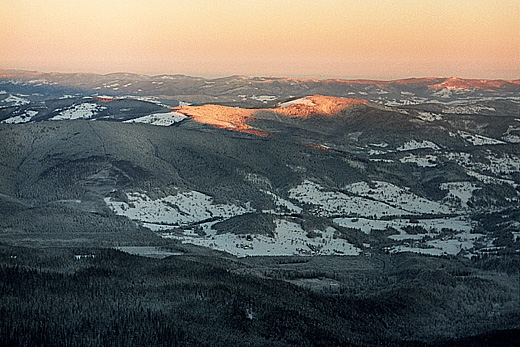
290,239
490,179
433,225
412,145
181,209
376,152
382,144
379,160
471,109
462,191
425,161
445,246
15,100
429,116
282,205
264,98
148,251
506,164
24,118
302,101
329,203
80,111
397,197
479,140
512,138
161,119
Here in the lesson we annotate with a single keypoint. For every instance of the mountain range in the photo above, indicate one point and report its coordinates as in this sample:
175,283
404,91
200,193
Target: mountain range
247,166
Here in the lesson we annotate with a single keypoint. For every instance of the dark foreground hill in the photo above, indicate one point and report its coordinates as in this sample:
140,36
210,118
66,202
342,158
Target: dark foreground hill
87,297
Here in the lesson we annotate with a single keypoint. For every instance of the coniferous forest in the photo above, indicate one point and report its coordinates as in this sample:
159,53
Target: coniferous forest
104,297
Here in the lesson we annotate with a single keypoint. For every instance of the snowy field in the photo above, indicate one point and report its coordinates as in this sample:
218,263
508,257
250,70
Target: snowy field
433,225
81,111
290,239
479,140
160,119
26,117
413,145
329,203
445,246
507,164
189,216
148,251
301,101
462,192
14,100
282,205
424,161
380,200
429,116
397,197
174,210
471,109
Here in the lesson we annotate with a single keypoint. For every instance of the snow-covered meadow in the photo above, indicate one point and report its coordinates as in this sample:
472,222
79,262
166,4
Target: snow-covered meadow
439,227
79,111
290,239
192,215
174,210
160,119
397,197
422,161
413,145
24,118
459,193
330,203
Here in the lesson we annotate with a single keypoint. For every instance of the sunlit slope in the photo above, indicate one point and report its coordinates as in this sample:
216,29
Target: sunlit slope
236,118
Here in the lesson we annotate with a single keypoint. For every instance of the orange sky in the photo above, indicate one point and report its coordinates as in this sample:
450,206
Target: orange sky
379,39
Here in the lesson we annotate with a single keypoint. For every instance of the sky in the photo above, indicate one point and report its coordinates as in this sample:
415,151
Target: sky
374,39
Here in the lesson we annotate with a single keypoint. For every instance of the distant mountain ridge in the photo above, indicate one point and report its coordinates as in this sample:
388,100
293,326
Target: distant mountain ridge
254,91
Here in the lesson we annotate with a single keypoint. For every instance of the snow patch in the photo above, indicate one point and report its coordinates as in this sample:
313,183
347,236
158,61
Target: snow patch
433,225
412,145
174,210
81,111
15,100
329,203
161,119
289,239
301,101
479,140
264,98
24,118
283,204
461,192
471,109
397,197
490,179
426,161
438,247
429,116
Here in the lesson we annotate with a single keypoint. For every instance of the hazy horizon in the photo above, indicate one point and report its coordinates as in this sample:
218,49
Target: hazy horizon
287,38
